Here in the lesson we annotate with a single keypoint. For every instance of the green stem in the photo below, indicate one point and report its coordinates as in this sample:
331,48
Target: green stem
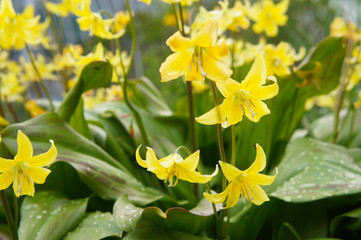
16,211
176,18
353,118
12,111
32,59
181,17
136,115
191,116
9,217
233,141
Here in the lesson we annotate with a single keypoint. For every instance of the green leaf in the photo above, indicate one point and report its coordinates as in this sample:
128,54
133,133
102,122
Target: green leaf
48,216
95,226
313,170
77,121
102,173
94,75
350,221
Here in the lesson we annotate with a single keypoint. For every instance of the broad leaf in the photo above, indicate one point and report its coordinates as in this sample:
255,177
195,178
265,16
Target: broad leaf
48,216
95,226
313,170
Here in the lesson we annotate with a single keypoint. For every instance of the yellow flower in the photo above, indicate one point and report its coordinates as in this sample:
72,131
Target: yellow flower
146,1
227,18
243,98
33,108
244,183
94,23
45,68
183,2
11,88
121,20
198,57
268,16
64,8
26,169
280,58
16,30
174,166
339,28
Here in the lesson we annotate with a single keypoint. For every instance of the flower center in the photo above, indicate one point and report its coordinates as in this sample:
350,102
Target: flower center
197,60
171,174
245,99
20,170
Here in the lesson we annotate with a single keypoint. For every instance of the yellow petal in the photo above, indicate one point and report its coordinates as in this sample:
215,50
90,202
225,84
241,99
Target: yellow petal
228,87
257,194
6,164
25,149
271,29
7,8
259,163
23,185
261,179
257,75
233,195
216,115
218,51
154,166
217,198
6,179
175,66
235,112
194,177
259,109
195,71
178,43
140,161
191,162
266,92
44,158
38,174
215,70
207,36
230,172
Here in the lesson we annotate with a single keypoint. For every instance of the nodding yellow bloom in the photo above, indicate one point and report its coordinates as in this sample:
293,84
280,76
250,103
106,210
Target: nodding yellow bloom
26,169
94,23
280,58
268,16
198,57
64,8
16,30
121,20
3,122
243,98
244,183
227,18
174,166
183,2
46,69
339,28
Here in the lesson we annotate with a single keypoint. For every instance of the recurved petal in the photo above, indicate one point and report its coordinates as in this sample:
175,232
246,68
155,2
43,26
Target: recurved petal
25,148
259,163
215,70
154,166
140,161
266,92
230,171
228,87
175,66
178,43
191,162
44,158
217,198
216,115
258,108
261,179
207,36
38,174
257,75
195,177
6,164
6,179
271,29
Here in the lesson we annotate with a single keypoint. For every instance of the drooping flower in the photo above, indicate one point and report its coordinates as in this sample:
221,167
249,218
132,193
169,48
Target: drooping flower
339,28
243,98
33,108
183,2
268,16
198,57
64,8
244,183
174,166
280,58
26,169
16,30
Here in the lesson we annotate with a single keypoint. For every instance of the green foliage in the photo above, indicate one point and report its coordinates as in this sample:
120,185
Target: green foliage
49,216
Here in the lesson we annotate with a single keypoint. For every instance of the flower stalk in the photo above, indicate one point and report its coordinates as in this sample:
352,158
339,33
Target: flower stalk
8,215
32,59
